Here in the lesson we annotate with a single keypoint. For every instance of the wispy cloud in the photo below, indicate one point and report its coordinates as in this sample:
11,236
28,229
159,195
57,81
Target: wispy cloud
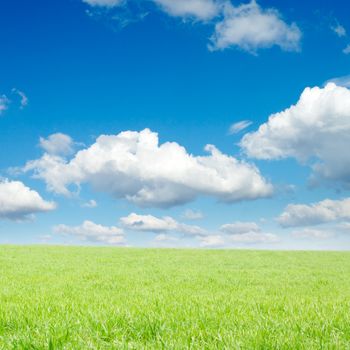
247,233
347,49
104,3
339,29
308,233
23,97
90,204
190,214
340,81
239,126
212,241
150,223
89,231
4,103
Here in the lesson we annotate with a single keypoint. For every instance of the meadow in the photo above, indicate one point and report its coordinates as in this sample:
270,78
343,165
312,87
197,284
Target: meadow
124,298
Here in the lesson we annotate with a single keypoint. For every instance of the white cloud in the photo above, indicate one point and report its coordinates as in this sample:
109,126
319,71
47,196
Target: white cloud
317,213
247,233
24,99
190,214
133,166
57,144
247,26
19,202
316,128
90,204
198,9
239,227
104,3
339,30
239,126
89,231
212,241
150,223
250,28
308,233
4,102
347,49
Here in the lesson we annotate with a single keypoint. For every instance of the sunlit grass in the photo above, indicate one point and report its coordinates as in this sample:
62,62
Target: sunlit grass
116,298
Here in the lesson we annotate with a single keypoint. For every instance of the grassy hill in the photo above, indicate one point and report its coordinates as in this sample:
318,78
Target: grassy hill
121,298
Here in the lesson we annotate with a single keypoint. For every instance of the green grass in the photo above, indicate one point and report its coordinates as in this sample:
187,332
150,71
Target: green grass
112,298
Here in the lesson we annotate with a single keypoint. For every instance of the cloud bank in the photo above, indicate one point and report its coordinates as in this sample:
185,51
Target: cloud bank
134,166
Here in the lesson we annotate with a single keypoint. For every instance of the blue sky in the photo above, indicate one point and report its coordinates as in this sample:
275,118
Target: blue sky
186,72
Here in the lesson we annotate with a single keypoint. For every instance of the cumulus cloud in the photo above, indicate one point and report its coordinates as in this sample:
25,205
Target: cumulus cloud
239,126
4,103
150,223
250,27
308,233
89,231
190,214
198,9
316,127
19,202
212,241
317,213
132,165
57,144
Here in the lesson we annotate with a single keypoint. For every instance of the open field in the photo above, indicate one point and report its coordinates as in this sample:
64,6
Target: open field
116,298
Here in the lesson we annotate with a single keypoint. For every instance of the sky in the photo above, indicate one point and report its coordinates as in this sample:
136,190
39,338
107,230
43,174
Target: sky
188,123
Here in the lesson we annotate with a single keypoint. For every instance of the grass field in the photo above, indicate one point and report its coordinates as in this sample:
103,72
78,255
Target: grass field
116,298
